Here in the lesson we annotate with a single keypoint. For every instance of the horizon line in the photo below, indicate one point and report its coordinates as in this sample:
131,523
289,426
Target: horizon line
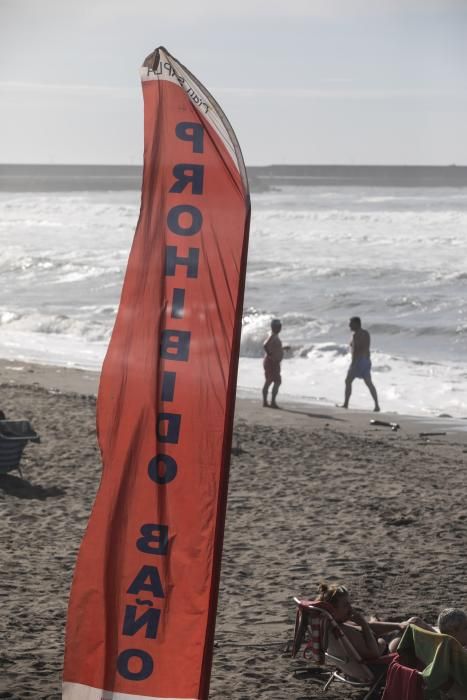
267,165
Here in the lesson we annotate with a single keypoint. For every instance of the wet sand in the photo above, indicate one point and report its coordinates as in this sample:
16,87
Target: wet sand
315,493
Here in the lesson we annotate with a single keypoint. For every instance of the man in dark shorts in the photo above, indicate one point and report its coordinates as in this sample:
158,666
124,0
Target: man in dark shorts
272,363
360,367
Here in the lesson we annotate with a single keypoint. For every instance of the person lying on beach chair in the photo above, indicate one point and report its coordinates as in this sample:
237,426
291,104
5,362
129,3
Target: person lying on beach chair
325,645
371,638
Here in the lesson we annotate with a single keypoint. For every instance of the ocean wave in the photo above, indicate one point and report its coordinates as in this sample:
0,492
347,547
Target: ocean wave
107,311
449,276
304,269
73,273
60,268
412,330
333,349
36,223
387,328
392,218
56,324
8,317
256,327
406,302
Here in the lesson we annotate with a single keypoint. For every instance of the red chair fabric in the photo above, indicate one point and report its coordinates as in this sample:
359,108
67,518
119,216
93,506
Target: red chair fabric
402,683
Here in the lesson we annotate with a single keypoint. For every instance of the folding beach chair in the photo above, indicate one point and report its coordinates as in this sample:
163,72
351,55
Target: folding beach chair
326,645
441,662
14,436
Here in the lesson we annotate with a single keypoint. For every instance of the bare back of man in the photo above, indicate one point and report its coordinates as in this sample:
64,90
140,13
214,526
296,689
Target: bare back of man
360,344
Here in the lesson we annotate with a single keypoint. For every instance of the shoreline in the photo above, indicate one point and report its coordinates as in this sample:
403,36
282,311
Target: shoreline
292,414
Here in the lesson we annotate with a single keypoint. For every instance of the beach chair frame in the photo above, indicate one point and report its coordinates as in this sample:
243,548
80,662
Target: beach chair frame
14,436
344,655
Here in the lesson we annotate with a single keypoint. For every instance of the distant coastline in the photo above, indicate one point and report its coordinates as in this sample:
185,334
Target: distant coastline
69,178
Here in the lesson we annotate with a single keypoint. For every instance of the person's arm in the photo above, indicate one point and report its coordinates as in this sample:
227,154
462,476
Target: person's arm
266,346
352,349
380,627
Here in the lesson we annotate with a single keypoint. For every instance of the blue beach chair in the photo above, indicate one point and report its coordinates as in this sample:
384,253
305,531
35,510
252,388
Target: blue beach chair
14,436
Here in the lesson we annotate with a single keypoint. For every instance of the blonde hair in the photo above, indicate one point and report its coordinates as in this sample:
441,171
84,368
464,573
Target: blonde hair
331,592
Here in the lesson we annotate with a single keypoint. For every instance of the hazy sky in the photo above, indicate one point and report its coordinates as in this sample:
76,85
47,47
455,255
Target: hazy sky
302,81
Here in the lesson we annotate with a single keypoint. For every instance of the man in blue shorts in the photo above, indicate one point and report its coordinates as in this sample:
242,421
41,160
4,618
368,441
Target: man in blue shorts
360,367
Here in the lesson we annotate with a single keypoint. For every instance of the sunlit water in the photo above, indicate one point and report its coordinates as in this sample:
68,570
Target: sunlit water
395,257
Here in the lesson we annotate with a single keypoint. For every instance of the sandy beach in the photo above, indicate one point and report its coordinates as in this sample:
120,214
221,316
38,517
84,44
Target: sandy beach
315,493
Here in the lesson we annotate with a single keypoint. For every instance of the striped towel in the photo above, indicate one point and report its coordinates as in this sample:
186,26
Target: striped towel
318,624
314,649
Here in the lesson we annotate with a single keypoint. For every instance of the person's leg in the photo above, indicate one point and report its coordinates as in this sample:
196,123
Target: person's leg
275,389
355,636
391,632
265,392
372,390
348,390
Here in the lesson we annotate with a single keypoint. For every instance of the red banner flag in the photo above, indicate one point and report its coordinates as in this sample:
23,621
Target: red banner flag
143,603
